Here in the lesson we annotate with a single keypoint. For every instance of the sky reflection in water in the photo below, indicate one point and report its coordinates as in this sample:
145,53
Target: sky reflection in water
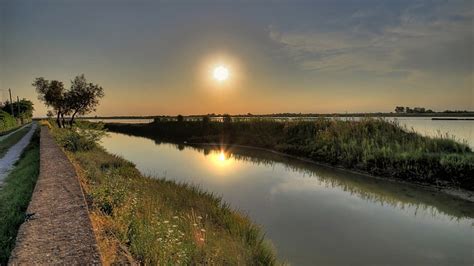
316,214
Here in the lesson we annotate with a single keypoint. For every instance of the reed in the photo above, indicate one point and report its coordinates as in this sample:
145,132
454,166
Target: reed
373,146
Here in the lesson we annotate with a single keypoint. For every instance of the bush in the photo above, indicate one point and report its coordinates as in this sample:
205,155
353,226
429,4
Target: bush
83,137
7,121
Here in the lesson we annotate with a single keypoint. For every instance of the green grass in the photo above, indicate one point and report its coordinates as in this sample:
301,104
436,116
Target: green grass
7,122
15,196
12,140
159,222
373,146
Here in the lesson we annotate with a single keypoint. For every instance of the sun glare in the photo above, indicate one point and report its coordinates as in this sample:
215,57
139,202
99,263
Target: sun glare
220,159
220,73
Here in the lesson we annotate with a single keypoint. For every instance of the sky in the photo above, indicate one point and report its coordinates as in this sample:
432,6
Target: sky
157,57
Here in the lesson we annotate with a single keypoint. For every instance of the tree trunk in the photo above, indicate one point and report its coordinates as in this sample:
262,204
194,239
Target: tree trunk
58,120
63,120
72,118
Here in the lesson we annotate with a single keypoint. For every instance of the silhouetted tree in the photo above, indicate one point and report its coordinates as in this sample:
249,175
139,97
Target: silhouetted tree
399,109
180,118
83,97
52,94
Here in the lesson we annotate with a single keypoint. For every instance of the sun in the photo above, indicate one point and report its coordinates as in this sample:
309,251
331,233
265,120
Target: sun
220,73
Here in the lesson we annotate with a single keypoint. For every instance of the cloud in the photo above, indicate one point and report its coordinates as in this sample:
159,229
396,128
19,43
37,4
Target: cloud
423,37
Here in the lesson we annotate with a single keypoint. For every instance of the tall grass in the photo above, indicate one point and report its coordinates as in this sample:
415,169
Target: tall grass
155,221
7,122
374,146
15,196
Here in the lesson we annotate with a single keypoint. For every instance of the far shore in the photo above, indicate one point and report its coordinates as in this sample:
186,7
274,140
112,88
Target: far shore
469,115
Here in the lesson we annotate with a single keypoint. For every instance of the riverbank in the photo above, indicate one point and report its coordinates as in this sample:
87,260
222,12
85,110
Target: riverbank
371,146
15,195
155,221
57,229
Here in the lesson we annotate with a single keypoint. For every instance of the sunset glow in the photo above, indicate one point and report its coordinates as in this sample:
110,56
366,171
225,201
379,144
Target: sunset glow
220,73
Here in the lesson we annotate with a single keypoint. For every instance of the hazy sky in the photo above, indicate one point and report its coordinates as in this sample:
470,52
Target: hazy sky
283,56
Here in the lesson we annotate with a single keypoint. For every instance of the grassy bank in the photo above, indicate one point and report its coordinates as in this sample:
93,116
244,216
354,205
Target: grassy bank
12,140
154,221
372,146
15,196
7,122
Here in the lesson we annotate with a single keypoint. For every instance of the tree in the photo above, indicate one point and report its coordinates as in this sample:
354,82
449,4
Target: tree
399,109
52,94
180,118
22,109
82,98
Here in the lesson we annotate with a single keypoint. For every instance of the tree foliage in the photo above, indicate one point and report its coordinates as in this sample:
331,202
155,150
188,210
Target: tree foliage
81,98
22,109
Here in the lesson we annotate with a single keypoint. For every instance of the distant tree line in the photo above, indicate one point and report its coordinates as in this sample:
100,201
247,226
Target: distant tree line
81,98
421,110
408,110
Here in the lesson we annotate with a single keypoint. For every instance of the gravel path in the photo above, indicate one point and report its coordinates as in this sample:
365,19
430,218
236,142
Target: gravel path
59,231
14,153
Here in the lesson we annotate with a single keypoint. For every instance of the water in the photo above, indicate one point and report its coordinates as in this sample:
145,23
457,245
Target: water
461,130
122,120
317,215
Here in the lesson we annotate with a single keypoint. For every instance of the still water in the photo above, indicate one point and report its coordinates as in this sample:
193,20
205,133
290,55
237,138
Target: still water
460,130
314,214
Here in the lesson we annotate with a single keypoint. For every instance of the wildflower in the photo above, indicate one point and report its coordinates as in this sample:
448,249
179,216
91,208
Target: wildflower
199,217
166,222
203,230
202,239
195,224
175,225
175,217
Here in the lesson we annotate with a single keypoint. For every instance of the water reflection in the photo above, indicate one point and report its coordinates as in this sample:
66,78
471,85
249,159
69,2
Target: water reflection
315,214
386,193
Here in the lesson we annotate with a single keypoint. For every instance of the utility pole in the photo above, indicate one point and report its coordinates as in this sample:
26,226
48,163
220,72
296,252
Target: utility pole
18,104
11,102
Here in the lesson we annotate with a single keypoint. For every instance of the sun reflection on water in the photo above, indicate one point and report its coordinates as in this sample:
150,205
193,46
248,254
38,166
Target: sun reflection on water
221,159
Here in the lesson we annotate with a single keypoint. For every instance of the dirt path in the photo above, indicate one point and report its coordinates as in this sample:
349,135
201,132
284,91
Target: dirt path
14,153
60,231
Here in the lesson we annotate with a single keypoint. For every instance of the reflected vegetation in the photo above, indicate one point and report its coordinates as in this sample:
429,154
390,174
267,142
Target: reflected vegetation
385,192
316,214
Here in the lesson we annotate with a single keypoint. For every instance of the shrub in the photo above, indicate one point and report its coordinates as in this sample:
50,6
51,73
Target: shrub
83,137
7,121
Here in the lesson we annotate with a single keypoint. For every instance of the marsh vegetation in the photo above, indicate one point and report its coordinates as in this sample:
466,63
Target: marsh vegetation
373,146
156,221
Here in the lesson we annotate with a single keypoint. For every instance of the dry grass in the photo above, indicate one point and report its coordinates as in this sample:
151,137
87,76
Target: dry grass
155,221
